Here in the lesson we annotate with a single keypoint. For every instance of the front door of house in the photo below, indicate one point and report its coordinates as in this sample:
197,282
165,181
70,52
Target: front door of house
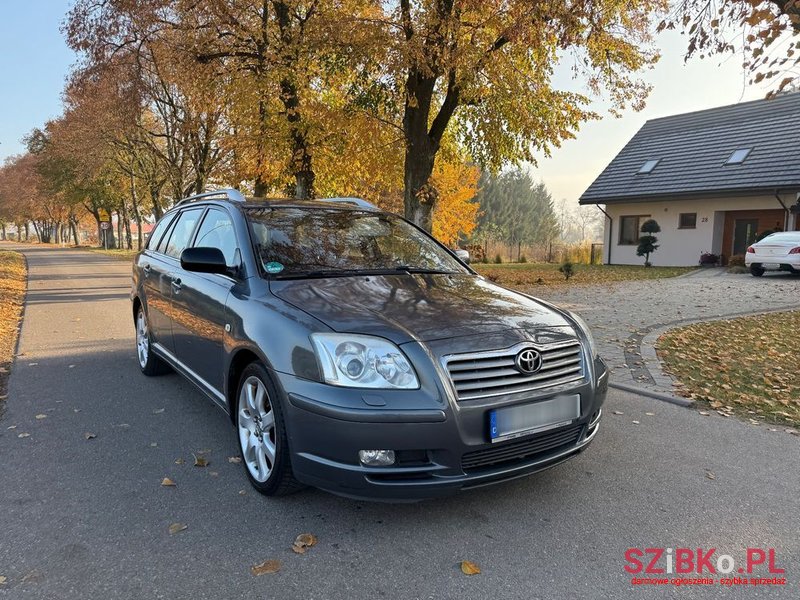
744,234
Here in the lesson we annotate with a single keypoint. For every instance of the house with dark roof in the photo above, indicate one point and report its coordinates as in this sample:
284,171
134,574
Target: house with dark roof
713,180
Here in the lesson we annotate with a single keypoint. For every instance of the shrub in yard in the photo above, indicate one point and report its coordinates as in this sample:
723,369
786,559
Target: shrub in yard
647,242
498,259
523,259
738,270
567,269
736,261
708,258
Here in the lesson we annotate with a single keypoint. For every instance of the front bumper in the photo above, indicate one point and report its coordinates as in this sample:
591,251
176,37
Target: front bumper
441,449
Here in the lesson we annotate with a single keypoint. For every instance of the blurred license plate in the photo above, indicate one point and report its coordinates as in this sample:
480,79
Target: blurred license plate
525,419
770,266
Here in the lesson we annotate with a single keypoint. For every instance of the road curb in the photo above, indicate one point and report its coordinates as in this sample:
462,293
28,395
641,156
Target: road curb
653,364
642,391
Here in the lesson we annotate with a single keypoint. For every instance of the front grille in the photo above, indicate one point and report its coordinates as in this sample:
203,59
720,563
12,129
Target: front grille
494,373
521,450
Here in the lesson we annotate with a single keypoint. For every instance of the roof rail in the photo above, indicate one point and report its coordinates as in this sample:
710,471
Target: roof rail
227,193
359,202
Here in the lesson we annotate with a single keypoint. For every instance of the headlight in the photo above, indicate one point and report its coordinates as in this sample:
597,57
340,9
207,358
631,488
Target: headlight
586,332
363,361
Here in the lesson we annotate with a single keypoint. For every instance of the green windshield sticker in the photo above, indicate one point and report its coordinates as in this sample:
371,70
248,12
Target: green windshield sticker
273,267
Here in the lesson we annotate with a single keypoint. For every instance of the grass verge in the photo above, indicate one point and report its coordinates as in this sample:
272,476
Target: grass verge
120,254
13,275
745,366
532,274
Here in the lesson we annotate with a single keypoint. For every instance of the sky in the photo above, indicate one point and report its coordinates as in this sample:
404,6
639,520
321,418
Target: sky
34,62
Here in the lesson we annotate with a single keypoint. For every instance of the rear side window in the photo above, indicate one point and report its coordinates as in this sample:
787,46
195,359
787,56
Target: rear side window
182,232
216,231
156,234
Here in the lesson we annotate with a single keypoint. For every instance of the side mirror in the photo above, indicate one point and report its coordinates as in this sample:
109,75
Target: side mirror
463,255
204,260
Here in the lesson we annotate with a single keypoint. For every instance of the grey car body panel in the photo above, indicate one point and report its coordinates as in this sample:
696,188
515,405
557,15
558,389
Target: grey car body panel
208,322
415,306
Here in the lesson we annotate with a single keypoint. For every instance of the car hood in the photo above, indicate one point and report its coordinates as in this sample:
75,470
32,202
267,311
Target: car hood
419,307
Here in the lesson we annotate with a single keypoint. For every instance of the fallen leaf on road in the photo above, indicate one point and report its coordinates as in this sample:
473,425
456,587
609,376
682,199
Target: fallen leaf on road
41,416
179,461
469,568
200,461
24,435
124,425
266,567
176,527
635,422
242,492
303,542
710,475
158,411
213,473
89,436
71,367
32,364
167,482
650,414
234,459
11,427
154,444
77,410
618,412
705,413
3,579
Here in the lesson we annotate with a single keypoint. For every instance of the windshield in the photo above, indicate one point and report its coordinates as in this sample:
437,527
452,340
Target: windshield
302,242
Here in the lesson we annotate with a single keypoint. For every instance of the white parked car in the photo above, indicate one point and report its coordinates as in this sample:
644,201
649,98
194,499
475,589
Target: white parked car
776,252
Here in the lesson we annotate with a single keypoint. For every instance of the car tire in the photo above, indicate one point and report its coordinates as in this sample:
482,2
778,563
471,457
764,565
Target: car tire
261,430
150,364
756,271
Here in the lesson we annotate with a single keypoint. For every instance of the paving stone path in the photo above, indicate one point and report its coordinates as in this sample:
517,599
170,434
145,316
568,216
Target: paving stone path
627,318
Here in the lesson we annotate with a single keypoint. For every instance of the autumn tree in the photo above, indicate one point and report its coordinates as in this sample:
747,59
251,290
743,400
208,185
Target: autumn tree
765,33
483,70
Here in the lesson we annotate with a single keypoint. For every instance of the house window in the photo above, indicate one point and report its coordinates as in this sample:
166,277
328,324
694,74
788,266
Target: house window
687,221
629,228
649,165
738,156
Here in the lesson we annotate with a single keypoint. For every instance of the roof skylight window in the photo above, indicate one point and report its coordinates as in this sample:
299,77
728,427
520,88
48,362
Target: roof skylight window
649,165
738,156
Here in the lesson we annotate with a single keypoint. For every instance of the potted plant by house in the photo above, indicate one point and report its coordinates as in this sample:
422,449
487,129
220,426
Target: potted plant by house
709,259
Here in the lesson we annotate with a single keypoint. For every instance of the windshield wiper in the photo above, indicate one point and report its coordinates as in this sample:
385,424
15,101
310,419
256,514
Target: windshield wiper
423,270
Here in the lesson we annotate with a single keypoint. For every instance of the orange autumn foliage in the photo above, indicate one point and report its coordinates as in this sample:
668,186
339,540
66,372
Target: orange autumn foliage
455,212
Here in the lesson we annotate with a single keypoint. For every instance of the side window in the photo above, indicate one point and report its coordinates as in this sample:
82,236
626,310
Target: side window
216,231
159,230
182,232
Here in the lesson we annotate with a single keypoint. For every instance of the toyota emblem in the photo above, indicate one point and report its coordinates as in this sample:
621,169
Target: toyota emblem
528,361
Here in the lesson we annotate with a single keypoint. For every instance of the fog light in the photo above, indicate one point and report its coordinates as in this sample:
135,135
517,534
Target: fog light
376,458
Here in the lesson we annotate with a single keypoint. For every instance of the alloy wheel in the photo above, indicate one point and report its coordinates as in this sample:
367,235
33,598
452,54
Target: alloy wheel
256,422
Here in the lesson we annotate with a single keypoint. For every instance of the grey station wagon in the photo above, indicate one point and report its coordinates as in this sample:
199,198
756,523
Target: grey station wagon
355,353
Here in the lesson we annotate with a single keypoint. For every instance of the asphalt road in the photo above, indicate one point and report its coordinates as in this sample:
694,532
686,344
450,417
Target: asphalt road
89,519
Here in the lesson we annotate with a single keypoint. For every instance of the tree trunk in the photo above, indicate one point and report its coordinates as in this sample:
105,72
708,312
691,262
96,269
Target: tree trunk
155,198
301,163
3,227
27,231
73,226
119,231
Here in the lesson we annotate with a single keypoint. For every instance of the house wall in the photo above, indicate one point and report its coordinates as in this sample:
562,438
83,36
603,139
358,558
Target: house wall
683,247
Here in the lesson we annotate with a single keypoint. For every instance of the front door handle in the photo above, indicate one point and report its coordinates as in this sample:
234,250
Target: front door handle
176,285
